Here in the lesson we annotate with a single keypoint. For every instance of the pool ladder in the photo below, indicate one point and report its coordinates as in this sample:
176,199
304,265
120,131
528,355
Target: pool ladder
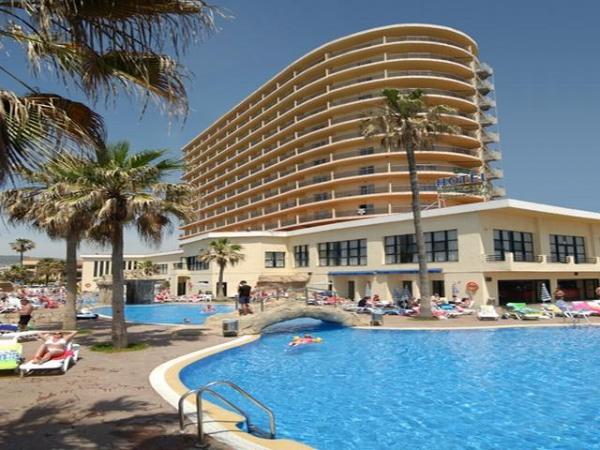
209,389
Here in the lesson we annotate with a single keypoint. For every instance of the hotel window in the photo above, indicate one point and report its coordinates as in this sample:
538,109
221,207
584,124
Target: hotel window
320,178
366,151
367,189
366,170
194,264
343,253
318,162
440,246
321,196
563,246
274,259
301,255
518,243
162,269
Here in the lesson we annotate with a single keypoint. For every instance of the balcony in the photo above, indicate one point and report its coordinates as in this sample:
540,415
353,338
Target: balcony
487,137
491,155
484,87
484,70
494,173
320,215
361,212
498,191
487,120
485,103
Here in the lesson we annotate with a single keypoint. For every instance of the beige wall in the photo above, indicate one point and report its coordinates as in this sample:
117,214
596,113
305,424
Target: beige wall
475,240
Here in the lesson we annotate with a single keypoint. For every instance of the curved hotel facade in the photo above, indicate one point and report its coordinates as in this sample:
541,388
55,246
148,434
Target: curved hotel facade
291,155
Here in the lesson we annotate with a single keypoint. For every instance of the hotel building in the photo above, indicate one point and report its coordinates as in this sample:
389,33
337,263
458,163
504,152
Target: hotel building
291,155
288,175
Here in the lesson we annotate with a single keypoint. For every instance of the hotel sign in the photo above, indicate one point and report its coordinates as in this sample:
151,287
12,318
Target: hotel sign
465,183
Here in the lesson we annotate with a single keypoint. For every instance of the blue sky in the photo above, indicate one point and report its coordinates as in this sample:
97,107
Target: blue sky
546,57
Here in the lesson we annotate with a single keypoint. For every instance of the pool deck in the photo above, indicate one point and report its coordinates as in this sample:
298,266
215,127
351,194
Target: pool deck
106,401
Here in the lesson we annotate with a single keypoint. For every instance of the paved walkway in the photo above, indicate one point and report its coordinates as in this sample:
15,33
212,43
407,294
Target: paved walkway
103,402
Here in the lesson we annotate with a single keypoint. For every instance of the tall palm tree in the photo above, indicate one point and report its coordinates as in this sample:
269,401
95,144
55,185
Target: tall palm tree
408,123
124,189
21,246
40,204
224,253
49,268
103,48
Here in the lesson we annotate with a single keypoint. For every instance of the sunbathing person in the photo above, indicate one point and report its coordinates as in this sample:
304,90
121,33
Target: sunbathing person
55,344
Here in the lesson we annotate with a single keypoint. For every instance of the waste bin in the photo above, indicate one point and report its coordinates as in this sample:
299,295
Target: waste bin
231,327
376,319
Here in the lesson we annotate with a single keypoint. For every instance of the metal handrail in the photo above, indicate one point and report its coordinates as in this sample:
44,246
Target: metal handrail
199,412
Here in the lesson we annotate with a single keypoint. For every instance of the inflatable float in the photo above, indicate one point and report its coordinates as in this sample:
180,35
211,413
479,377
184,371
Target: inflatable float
304,340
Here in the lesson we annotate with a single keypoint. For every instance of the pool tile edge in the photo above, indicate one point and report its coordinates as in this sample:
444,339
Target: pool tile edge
219,423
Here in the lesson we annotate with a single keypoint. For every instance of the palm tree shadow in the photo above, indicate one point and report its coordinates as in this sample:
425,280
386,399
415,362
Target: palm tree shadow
60,425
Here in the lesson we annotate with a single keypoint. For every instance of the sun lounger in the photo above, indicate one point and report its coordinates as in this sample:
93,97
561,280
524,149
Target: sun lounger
19,336
62,362
523,312
487,312
573,314
11,355
553,310
587,306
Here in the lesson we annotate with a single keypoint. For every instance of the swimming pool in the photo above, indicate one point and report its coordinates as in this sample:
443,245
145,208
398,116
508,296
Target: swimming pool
360,389
169,314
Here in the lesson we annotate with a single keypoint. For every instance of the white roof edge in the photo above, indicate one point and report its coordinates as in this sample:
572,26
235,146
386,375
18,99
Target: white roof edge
136,255
321,47
228,234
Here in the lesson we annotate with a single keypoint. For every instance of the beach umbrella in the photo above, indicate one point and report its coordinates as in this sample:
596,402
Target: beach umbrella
546,297
404,298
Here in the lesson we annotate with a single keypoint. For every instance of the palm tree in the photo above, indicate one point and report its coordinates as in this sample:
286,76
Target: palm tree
50,268
103,48
22,246
147,268
18,274
124,189
40,204
223,253
407,123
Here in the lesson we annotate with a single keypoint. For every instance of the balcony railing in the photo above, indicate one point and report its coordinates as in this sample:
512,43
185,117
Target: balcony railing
427,73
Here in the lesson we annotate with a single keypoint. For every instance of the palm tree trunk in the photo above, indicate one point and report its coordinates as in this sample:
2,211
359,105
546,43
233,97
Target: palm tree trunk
220,293
21,253
70,311
119,328
425,309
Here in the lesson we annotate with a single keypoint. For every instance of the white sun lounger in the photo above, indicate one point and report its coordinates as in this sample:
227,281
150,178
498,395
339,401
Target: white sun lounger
61,364
487,312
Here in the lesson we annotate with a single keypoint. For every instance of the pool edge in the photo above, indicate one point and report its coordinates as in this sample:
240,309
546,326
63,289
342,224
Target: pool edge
219,423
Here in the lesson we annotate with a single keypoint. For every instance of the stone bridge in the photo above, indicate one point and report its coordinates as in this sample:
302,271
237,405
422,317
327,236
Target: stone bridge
256,323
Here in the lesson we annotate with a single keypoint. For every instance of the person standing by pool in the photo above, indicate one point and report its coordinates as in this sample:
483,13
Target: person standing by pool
244,290
25,314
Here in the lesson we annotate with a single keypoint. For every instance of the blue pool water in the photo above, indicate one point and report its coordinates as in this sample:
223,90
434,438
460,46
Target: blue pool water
165,314
360,389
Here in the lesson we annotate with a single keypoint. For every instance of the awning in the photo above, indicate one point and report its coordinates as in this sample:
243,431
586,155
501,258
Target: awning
405,271
379,272
351,273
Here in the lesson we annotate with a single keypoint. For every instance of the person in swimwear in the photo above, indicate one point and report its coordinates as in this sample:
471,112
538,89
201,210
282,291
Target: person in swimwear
55,344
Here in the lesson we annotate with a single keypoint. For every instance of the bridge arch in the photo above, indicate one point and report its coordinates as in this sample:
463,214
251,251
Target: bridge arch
257,323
